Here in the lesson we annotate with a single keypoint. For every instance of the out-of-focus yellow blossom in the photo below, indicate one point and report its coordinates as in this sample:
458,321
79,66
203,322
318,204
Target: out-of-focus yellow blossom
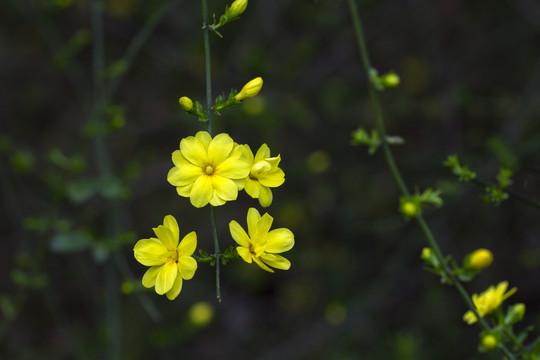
480,259
201,313
185,103
489,342
170,261
263,175
488,301
237,7
262,245
251,89
426,253
209,170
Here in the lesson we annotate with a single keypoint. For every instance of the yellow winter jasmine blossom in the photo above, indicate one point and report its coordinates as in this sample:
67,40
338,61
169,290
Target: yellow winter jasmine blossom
262,245
208,170
263,175
170,261
488,301
251,89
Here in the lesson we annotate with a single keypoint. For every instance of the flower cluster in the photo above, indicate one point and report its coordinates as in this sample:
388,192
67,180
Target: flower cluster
212,170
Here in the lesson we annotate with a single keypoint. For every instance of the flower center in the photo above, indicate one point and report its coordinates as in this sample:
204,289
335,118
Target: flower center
172,255
209,170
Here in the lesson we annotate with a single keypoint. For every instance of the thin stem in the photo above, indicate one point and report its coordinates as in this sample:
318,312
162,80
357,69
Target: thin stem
206,32
400,183
208,69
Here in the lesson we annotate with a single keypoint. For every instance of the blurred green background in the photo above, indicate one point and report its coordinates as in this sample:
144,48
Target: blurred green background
77,193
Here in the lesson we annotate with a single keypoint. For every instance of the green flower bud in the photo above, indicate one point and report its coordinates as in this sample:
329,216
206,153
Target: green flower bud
201,313
390,80
409,209
251,89
426,254
515,314
237,7
185,103
480,259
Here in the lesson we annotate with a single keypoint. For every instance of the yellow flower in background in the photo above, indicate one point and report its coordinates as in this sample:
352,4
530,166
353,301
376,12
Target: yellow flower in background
251,89
480,259
260,244
170,261
488,301
208,170
263,175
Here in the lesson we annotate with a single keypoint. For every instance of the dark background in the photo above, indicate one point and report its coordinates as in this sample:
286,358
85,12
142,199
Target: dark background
77,190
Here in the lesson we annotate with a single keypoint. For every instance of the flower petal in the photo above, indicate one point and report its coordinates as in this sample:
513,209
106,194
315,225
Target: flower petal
166,236
273,179
248,154
150,252
262,265
149,277
234,167
175,289
193,150
184,191
276,261
204,137
264,224
279,240
178,159
262,153
216,200
220,148
170,223
225,188
184,175
244,254
252,188
239,234
253,217
166,277
187,245
187,266
265,196
201,191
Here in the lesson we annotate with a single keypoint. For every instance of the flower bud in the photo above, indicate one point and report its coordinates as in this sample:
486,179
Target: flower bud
251,89
515,313
201,313
390,80
489,342
237,7
426,254
185,103
409,209
480,259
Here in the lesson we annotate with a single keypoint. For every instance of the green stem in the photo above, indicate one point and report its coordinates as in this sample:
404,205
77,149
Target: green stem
398,179
208,69
206,32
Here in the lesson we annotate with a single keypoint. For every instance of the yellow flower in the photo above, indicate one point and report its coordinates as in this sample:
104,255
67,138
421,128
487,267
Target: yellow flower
208,170
262,245
170,261
480,259
263,175
251,89
488,301
237,7
185,103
